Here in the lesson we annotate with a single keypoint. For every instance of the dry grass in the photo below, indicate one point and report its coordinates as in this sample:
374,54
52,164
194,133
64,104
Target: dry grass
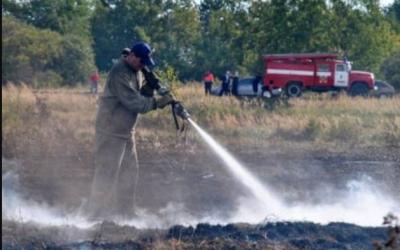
62,120
315,118
46,121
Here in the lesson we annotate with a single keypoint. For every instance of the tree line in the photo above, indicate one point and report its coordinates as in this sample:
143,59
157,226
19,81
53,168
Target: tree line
48,42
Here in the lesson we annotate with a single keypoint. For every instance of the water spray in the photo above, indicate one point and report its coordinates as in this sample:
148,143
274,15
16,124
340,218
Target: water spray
256,188
240,172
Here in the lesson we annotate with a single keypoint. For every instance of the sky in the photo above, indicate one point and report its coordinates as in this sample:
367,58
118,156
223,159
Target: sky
385,3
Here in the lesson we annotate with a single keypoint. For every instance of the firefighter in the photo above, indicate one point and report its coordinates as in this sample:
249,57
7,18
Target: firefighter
225,84
235,83
256,81
116,164
346,61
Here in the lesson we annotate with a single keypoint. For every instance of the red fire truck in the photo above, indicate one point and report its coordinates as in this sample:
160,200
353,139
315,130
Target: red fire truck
295,73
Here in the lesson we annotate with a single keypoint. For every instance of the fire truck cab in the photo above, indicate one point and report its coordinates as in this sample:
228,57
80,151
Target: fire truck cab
295,73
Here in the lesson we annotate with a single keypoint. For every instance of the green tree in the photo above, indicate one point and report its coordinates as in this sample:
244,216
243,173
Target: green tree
171,27
117,24
222,45
76,62
28,52
390,69
392,13
71,19
175,42
363,32
68,16
309,25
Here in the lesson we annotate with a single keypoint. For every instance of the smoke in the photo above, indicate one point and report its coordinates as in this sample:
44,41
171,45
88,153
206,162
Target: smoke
361,203
172,214
15,207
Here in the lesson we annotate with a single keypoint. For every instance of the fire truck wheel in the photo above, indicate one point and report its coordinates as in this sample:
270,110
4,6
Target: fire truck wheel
293,90
359,89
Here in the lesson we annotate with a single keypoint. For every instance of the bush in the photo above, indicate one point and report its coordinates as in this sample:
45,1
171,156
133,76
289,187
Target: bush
27,51
76,61
47,79
43,58
390,69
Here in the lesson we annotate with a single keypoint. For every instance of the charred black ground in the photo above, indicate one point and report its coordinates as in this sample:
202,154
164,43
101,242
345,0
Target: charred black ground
280,235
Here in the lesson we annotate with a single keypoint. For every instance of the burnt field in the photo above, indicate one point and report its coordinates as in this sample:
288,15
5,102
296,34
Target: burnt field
187,200
280,235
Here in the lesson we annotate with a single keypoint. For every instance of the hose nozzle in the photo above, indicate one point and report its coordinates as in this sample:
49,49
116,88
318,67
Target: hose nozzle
181,111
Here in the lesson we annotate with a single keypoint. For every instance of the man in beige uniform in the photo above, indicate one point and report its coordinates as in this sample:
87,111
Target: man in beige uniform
116,165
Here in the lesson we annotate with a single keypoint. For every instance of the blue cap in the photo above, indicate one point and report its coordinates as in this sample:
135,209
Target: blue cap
143,51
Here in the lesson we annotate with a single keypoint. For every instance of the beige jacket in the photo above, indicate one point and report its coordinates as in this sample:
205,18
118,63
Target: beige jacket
121,102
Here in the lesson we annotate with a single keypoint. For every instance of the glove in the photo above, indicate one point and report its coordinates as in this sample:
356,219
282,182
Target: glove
147,91
162,102
151,79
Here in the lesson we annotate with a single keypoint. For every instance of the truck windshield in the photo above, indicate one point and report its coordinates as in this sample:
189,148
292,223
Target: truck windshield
323,68
341,67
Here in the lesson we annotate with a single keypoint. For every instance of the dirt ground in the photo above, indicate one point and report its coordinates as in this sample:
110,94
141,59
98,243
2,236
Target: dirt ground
191,180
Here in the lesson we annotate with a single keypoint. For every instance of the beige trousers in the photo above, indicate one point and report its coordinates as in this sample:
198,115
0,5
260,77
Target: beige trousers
115,178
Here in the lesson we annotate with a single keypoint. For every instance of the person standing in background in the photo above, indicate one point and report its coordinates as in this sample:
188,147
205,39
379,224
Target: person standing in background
346,61
94,82
225,84
208,82
235,83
